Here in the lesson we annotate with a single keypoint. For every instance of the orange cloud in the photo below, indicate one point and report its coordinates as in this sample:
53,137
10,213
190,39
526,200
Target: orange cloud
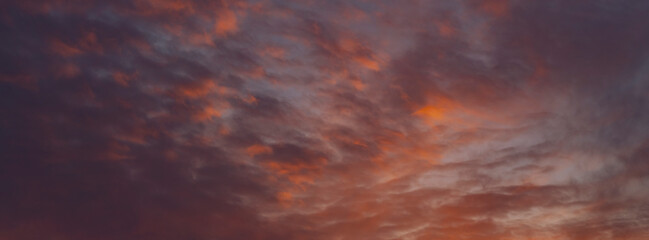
197,90
432,112
368,62
226,22
358,84
258,149
353,48
284,197
251,100
439,110
206,113
297,173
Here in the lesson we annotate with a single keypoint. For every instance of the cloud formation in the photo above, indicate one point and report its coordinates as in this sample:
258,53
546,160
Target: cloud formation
164,119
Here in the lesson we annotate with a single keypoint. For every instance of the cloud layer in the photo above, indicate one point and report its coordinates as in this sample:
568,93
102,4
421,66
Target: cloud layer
165,119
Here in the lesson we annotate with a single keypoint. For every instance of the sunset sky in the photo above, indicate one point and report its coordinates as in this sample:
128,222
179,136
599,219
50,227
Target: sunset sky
324,120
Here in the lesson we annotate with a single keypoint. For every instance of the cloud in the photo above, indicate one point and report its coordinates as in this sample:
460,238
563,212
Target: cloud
323,120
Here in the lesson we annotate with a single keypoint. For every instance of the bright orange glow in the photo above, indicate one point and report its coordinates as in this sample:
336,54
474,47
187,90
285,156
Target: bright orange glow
432,112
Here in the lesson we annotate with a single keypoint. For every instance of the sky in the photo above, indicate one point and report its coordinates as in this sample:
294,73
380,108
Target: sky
324,120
